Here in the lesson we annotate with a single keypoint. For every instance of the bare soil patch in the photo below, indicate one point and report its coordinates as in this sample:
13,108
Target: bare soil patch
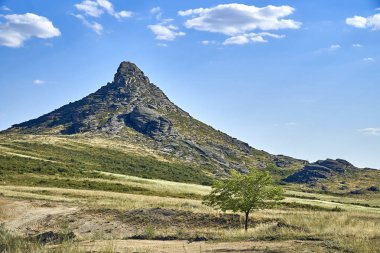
184,246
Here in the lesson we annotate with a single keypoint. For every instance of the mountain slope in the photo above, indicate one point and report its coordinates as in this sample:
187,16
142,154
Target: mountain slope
129,126
135,110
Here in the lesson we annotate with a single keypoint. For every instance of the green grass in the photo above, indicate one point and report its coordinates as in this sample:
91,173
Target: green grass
76,159
103,182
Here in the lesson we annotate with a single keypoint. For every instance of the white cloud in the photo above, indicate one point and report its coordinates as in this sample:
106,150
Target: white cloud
123,14
372,22
370,131
155,10
237,40
20,27
250,38
107,5
357,45
96,27
368,59
335,47
90,8
290,124
357,21
331,48
209,42
235,19
96,8
5,8
165,32
39,82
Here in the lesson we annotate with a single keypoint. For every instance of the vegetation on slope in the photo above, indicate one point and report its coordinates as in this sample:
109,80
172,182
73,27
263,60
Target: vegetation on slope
76,158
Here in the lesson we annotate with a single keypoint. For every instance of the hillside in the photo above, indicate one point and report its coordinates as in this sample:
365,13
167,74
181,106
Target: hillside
129,126
135,111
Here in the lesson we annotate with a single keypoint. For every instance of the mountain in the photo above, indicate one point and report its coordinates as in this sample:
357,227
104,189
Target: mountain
129,101
134,129
135,110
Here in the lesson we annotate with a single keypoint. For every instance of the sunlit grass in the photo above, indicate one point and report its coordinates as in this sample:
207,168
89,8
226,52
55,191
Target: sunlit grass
353,230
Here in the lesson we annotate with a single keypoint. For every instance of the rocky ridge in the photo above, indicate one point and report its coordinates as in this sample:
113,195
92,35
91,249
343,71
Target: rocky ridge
322,169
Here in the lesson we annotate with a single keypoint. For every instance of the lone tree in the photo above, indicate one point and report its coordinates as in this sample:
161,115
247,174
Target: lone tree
244,193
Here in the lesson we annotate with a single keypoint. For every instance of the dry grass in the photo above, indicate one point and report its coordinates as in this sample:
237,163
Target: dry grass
155,190
199,247
354,230
103,199
161,185
73,141
370,199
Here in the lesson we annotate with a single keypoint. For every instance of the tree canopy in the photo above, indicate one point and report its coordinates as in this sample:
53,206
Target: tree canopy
244,193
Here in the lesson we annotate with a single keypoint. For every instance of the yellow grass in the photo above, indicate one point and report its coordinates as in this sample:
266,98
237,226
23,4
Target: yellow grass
103,199
73,141
161,185
355,230
372,199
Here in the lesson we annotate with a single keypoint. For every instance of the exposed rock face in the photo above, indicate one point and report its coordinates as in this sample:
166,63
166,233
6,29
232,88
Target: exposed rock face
321,169
150,122
282,161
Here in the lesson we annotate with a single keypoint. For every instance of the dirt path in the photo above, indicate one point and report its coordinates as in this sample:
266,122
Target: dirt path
185,247
92,228
25,217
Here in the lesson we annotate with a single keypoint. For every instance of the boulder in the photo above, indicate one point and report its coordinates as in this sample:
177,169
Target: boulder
149,121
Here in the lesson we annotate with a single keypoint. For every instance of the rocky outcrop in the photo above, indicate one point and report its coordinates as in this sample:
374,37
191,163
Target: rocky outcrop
322,169
150,122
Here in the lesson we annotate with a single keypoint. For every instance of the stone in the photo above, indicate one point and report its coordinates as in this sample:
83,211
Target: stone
149,122
322,169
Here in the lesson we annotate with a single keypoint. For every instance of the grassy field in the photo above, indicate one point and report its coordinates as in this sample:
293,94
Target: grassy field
316,221
103,192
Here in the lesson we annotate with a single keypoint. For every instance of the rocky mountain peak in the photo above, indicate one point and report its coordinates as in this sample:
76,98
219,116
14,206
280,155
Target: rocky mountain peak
130,101
127,72
135,110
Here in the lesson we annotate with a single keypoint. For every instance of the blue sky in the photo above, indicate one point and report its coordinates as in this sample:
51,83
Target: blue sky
299,78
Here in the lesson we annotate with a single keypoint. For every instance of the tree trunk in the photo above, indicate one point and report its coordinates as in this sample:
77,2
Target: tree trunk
246,221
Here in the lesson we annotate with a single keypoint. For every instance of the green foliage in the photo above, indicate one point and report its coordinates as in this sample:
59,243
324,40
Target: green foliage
244,193
76,161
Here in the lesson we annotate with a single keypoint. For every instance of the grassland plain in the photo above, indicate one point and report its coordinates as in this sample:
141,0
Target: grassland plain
116,196
111,221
